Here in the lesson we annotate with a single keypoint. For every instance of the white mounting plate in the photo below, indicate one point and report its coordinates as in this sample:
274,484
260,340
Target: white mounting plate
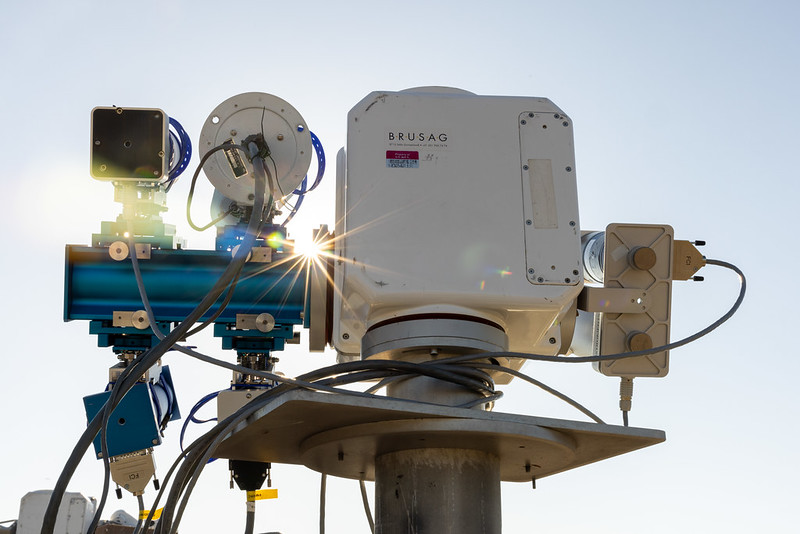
342,435
285,132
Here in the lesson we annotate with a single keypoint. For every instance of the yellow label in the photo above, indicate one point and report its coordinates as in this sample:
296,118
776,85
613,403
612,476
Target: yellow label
156,515
262,494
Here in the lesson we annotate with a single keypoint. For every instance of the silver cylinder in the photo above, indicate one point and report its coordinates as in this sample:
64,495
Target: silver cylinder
593,245
437,491
427,389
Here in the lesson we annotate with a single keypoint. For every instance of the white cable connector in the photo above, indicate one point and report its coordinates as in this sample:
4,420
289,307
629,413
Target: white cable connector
625,397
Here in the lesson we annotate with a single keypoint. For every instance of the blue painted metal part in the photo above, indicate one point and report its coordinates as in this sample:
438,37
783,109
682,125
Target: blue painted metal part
176,281
125,338
253,340
134,424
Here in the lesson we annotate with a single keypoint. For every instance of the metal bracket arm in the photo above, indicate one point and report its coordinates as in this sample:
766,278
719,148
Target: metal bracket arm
613,300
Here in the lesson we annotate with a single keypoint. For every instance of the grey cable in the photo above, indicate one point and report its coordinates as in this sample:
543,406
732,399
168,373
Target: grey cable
365,501
635,354
572,402
142,362
250,522
138,528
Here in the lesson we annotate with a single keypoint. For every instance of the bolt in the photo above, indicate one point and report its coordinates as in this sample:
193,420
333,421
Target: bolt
572,223
529,222
556,115
552,340
540,279
119,111
530,114
280,137
160,153
523,121
531,271
575,272
97,142
249,395
566,280
155,442
569,169
565,123
345,336
233,133
103,167
525,167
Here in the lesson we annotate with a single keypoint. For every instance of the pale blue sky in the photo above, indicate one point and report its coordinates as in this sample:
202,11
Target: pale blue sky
684,113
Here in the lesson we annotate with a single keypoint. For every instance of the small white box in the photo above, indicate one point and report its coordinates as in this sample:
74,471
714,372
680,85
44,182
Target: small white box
74,515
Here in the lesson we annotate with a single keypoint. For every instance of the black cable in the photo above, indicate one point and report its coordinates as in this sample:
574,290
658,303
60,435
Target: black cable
144,361
202,448
220,309
322,490
194,183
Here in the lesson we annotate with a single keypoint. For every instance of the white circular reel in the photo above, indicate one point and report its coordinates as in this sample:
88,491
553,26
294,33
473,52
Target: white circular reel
285,133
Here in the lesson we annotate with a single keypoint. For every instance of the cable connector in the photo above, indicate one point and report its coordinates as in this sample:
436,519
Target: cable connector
625,397
686,259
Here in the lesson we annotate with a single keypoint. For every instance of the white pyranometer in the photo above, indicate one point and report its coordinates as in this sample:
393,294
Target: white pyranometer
250,114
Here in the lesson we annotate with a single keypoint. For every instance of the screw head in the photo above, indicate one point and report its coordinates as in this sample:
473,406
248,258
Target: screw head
523,121
525,167
345,336
531,271
569,169
552,340
529,222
